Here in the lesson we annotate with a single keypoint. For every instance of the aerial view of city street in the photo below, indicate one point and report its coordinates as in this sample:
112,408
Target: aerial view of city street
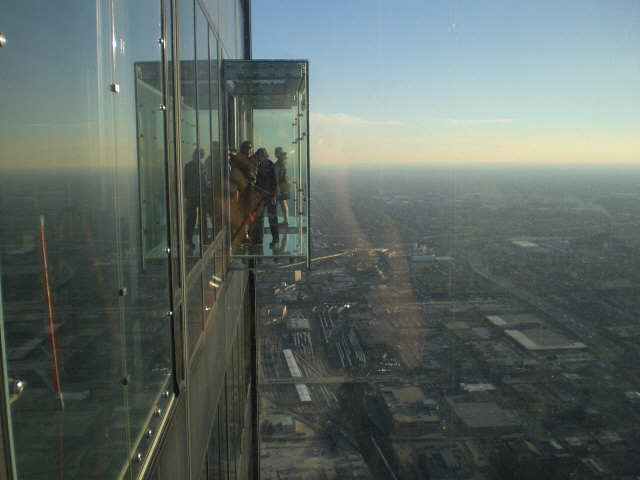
473,323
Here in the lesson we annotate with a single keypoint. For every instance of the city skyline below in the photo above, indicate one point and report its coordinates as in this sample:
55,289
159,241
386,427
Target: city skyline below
467,326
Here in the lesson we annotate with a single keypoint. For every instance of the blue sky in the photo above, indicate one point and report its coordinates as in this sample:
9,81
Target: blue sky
463,81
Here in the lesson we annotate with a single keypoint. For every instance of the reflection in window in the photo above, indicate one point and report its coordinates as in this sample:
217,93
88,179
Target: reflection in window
151,160
203,86
218,167
191,154
145,291
84,291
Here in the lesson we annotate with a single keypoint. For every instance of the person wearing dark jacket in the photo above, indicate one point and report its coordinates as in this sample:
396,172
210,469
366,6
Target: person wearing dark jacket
267,188
192,196
283,184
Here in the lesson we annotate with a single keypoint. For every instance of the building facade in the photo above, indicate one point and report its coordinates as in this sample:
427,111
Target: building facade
126,323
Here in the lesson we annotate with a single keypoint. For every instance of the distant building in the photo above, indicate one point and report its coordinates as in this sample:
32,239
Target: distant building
341,278
481,417
409,411
477,386
520,320
273,311
537,339
287,295
298,324
288,424
291,363
522,459
524,244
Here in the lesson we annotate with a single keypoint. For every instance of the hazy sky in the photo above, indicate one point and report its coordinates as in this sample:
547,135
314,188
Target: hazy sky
463,81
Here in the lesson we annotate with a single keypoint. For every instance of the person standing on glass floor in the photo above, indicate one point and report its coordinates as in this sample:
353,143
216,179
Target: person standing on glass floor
283,182
191,186
267,187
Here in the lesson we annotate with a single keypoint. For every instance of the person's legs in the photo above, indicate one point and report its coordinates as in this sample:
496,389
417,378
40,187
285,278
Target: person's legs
272,214
256,228
192,214
285,211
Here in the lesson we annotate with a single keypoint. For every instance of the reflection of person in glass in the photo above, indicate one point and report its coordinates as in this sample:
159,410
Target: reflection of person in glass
210,181
242,196
246,165
283,184
192,195
267,188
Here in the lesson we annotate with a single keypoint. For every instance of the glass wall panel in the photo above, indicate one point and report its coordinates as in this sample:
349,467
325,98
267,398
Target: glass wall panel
59,250
302,178
269,102
228,26
221,259
205,219
212,9
173,169
211,285
278,131
151,161
218,166
194,308
190,153
239,30
141,181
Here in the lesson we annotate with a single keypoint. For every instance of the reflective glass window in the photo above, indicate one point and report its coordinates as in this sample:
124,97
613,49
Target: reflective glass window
173,169
62,248
142,180
212,8
194,309
268,105
228,26
218,167
192,155
239,30
205,217
212,283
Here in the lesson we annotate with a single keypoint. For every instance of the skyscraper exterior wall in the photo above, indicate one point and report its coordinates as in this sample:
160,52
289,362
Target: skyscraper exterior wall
126,330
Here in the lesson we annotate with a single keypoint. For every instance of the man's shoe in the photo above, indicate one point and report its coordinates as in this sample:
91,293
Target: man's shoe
274,245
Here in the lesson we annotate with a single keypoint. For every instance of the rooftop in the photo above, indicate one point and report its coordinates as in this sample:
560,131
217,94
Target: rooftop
542,339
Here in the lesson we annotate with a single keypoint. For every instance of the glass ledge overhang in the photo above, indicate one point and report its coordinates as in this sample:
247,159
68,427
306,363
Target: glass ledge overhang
268,104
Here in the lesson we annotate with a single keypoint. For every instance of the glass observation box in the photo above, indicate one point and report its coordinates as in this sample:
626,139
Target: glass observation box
268,138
